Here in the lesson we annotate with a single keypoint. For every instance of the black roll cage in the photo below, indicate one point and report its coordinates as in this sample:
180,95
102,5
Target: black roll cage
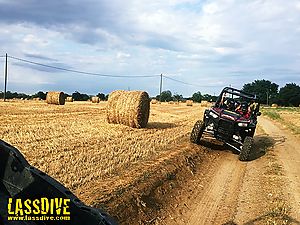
237,92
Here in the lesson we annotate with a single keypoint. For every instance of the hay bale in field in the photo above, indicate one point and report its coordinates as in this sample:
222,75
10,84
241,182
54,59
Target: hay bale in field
171,102
36,99
95,99
130,108
204,103
55,97
274,106
176,102
69,99
189,102
153,101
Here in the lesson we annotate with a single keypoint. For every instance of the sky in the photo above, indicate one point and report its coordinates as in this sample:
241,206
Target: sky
206,44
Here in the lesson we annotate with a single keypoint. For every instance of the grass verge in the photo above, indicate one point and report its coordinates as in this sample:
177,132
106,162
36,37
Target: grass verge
280,115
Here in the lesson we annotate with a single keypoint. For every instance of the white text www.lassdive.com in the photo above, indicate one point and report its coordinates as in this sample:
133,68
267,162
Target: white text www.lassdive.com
38,209
38,218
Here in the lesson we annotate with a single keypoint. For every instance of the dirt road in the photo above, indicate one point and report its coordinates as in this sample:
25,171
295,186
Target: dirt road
265,190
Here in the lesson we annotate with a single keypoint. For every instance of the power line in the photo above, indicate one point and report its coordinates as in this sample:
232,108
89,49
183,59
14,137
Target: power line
179,81
182,82
80,72
102,75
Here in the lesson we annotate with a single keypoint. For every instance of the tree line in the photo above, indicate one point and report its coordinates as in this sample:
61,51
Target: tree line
266,91
167,96
269,93
77,96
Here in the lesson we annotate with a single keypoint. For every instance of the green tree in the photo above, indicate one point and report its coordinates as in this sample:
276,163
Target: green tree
80,97
197,97
101,96
209,98
166,96
289,95
11,95
177,97
265,90
40,95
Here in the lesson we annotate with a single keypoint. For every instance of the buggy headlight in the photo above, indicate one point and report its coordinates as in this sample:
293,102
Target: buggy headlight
242,124
213,115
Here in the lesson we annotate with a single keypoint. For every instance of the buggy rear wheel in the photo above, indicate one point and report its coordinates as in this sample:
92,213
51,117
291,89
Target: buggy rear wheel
246,149
197,132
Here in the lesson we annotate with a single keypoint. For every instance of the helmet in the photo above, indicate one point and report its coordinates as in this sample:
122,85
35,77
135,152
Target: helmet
244,107
229,103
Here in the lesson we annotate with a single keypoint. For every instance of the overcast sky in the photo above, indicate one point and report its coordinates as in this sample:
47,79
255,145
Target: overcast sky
210,44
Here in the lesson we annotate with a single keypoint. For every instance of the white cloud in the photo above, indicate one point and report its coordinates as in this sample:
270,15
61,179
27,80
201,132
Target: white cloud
32,39
188,38
211,8
122,55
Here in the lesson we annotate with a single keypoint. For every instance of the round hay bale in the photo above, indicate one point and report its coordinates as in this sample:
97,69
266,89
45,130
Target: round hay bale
274,106
130,108
95,99
189,102
171,102
204,103
153,101
69,99
55,97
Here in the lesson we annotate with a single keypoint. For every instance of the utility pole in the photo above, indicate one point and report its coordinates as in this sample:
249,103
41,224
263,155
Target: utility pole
5,77
160,89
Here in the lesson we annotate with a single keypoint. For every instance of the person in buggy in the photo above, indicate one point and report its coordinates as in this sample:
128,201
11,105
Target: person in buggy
243,110
227,103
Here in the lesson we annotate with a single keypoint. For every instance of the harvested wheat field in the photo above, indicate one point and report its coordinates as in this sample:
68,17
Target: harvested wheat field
154,175
77,146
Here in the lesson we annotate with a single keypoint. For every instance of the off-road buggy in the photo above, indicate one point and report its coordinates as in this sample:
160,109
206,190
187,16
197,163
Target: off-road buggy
232,120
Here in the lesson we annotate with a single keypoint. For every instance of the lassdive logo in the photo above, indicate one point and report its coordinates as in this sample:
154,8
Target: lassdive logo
38,209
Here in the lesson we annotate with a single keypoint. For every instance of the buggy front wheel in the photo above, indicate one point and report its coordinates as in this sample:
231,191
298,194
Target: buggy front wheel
197,132
246,149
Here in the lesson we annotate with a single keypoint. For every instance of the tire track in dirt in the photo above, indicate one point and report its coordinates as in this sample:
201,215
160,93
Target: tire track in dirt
227,191
212,197
229,204
217,204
